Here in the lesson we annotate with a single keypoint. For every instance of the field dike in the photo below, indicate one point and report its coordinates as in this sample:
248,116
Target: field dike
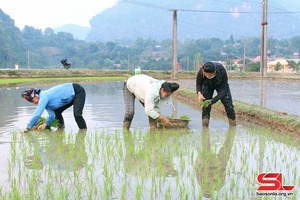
249,113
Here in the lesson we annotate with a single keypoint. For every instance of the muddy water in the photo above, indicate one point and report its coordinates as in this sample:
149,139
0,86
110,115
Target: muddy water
104,108
177,160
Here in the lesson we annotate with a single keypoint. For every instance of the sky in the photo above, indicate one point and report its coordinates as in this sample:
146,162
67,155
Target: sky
53,13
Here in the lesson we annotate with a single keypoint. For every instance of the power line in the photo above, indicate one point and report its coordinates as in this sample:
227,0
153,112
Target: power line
226,12
282,11
144,4
212,29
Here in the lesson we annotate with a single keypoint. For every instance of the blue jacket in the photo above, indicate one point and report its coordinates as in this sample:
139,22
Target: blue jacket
51,100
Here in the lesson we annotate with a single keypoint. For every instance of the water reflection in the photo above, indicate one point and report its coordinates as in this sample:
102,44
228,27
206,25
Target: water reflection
262,93
282,96
211,166
53,151
174,106
149,159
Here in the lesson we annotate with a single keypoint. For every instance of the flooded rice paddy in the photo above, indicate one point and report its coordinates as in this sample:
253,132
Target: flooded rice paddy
104,163
282,96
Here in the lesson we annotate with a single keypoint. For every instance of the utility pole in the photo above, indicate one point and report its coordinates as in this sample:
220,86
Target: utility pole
128,61
187,63
28,59
174,47
264,38
244,59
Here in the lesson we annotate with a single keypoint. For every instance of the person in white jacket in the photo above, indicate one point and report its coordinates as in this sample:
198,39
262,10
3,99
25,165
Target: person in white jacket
151,93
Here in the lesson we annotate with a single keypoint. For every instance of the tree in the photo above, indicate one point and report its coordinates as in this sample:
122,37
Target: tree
93,48
277,66
252,67
231,39
295,43
33,36
110,46
292,64
49,31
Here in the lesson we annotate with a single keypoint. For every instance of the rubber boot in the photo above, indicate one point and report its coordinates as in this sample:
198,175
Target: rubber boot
126,125
205,122
231,122
153,124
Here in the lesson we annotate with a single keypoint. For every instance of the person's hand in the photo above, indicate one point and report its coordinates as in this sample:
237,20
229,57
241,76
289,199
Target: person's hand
42,127
208,101
200,97
164,120
26,130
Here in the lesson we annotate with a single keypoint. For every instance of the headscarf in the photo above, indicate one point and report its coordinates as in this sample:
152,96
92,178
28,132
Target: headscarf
30,94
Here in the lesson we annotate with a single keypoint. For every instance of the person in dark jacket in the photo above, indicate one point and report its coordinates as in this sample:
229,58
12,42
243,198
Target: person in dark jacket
213,76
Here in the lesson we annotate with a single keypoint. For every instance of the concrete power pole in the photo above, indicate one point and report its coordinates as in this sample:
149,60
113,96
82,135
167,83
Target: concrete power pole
264,39
244,59
128,61
28,59
174,47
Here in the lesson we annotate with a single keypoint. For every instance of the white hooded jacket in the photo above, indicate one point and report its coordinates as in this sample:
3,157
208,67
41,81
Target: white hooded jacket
146,89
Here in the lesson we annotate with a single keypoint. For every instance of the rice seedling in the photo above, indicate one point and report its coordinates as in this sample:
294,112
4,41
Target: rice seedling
142,165
123,194
204,103
167,193
139,192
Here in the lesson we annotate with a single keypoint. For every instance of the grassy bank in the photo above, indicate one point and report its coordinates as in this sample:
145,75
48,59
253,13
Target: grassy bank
9,82
249,113
14,77
44,73
160,74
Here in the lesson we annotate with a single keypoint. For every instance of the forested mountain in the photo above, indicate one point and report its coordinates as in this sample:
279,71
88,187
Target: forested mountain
79,32
130,19
32,48
11,40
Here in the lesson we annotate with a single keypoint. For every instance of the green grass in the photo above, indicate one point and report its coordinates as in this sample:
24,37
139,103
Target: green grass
5,81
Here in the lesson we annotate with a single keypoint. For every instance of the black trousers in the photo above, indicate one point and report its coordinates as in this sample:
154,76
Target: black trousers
226,101
78,104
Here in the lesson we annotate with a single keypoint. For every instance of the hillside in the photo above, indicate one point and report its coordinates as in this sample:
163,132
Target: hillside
79,32
196,19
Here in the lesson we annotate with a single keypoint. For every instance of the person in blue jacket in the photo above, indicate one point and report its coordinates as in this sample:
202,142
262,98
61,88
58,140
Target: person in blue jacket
56,100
